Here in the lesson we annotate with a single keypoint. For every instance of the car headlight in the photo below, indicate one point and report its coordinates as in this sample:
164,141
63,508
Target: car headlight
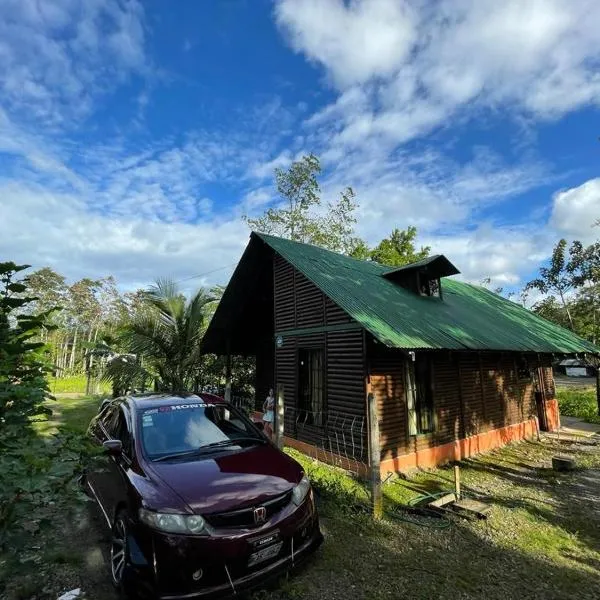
173,523
300,491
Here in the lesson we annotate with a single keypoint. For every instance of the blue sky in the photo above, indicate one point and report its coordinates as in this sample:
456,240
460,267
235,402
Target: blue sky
134,136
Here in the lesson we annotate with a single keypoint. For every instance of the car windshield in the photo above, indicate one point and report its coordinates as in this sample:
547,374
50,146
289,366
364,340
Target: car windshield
173,430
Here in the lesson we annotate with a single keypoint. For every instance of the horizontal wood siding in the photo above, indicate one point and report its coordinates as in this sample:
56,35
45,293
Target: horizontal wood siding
300,304
446,399
310,308
492,392
334,314
285,314
472,394
387,384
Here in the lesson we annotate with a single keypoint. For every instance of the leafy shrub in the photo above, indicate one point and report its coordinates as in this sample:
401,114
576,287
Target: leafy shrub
579,403
33,472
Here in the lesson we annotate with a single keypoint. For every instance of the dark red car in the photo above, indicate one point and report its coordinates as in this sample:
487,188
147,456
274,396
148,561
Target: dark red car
200,503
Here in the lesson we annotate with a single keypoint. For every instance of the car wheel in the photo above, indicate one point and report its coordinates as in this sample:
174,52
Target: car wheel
119,556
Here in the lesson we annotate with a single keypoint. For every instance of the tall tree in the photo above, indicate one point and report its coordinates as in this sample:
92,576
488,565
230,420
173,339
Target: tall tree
301,217
399,248
558,277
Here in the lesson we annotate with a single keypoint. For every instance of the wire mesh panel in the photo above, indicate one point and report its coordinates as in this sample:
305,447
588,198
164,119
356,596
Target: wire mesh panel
341,440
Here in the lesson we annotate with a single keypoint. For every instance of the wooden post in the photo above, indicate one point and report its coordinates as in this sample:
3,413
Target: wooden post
228,378
457,481
279,417
375,454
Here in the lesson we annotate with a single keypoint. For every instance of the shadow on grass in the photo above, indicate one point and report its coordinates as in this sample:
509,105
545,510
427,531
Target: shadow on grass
364,560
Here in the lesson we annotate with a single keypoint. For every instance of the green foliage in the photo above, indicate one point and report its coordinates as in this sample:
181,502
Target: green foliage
33,471
162,342
571,283
399,249
579,403
300,218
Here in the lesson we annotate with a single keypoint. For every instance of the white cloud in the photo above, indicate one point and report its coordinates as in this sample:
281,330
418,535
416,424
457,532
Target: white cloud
377,35
504,254
57,57
574,211
403,68
45,228
426,189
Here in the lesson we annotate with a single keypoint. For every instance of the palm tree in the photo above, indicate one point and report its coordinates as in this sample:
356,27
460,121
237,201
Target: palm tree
162,341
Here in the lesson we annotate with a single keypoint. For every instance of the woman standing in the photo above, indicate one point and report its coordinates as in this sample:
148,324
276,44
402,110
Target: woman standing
269,414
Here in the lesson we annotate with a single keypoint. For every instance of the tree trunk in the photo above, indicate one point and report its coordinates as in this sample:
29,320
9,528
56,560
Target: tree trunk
73,349
566,306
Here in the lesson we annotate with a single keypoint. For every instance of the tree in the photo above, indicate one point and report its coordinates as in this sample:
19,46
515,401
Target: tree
399,248
162,342
300,216
558,278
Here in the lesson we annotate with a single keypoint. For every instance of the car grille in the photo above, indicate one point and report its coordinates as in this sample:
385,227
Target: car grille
244,518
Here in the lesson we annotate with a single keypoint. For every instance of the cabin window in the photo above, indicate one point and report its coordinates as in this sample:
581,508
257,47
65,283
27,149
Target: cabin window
429,287
523,370
310,384
420,402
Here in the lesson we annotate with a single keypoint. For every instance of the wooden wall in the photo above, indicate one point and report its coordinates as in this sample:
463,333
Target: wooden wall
300,304
492,396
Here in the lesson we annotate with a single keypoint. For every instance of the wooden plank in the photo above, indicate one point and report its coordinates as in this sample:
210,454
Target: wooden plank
472,508
447,499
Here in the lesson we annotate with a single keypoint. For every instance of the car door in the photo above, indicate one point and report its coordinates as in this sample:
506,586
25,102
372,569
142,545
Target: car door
114,480
99,432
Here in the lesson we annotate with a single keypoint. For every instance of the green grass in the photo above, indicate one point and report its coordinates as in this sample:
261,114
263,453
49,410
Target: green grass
540,540
75,413
76,384
580,403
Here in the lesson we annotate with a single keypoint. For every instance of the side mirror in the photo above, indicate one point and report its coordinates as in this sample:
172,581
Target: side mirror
113,447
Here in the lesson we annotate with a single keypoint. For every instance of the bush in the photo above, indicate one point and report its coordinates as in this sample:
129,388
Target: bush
33,472
579,403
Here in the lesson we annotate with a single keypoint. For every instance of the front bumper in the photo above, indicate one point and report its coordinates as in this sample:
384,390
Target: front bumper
162,566
255,579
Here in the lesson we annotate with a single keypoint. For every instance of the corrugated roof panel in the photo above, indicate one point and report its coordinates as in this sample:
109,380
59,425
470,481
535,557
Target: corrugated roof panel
468,317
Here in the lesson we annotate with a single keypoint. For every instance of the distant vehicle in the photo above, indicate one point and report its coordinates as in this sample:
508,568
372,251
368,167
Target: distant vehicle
200,503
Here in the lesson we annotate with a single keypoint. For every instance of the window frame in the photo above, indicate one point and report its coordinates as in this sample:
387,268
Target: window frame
301,410
417,406
113,420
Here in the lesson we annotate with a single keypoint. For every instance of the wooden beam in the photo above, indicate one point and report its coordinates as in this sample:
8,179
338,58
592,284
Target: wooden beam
442,501
457,481
375,454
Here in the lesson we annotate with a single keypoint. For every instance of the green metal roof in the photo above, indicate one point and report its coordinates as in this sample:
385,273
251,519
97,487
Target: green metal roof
468,316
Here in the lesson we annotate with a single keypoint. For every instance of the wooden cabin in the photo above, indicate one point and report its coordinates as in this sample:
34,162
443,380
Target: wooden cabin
454,368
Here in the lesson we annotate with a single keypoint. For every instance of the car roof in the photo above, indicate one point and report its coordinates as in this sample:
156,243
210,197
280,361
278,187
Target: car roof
143,401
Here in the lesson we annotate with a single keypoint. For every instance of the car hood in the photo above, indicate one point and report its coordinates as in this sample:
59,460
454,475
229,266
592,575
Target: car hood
231,480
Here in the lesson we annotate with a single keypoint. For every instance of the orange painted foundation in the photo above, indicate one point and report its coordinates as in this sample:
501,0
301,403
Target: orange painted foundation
437,455
552,415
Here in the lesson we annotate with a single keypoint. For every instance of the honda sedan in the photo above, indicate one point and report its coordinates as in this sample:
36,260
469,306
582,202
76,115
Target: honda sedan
200,503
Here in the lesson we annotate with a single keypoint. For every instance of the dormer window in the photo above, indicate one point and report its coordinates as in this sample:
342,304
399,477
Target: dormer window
423,277
430,287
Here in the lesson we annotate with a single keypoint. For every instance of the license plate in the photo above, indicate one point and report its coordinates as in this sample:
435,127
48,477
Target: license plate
264,554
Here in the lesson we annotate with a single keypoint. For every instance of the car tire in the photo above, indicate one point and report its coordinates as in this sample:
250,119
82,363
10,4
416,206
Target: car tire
119,552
